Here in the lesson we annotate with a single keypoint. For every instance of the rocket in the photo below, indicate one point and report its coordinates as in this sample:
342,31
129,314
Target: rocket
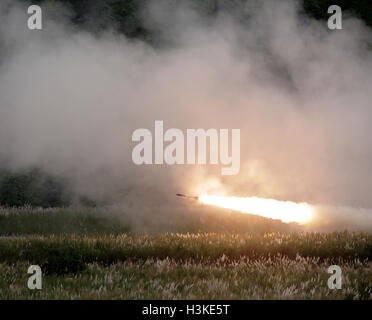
187,196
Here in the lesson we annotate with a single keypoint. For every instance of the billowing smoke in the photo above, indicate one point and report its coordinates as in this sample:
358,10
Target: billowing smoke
300,94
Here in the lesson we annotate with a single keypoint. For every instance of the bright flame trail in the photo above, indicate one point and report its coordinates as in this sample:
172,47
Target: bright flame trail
286,211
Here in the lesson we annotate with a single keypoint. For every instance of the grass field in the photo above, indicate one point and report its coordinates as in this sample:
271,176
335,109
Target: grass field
99,260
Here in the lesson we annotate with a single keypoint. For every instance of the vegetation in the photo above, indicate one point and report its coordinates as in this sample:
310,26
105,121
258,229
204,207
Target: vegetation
113,220
188,266
359,8
90,253
125,15
32,187
108,249
79,221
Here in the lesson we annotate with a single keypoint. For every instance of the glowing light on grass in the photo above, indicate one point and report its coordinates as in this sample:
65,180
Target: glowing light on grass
286,211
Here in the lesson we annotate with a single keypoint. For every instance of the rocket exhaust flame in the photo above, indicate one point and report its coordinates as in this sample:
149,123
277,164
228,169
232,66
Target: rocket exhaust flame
286,211
315,217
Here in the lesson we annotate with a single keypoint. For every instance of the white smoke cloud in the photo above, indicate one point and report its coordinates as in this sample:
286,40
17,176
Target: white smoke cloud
300,93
